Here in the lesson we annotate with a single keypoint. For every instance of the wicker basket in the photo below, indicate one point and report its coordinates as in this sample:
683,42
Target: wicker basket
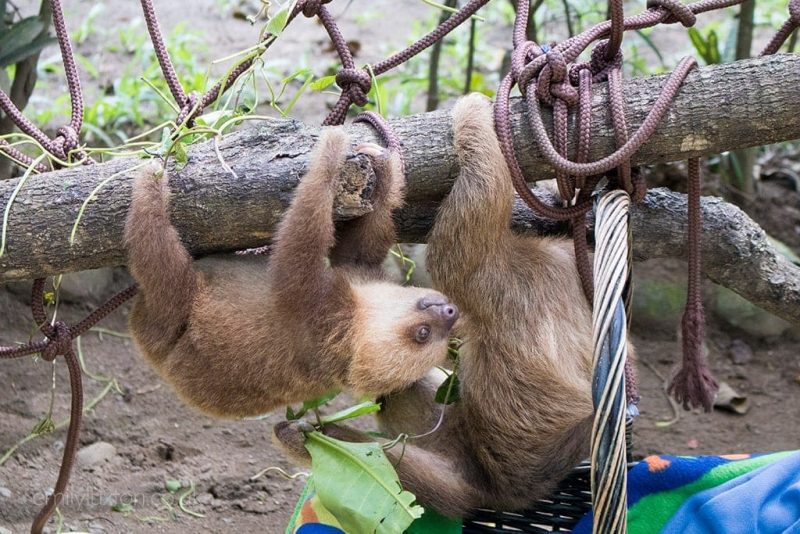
569,502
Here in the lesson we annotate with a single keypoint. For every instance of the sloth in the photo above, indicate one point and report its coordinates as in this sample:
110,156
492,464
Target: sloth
524,415
239,336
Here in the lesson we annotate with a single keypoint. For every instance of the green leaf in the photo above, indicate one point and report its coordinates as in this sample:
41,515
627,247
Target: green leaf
277,22
172,486
359,486
448,391
88,66
123,508
320,84
352,412
310,404
213,119
21,33
698,42
180,155
45,426
15,54
714,56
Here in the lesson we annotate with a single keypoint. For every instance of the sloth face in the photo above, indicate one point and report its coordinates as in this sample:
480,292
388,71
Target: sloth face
401,333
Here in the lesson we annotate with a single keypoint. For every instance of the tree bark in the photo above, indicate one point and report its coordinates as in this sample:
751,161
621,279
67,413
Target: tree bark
720,108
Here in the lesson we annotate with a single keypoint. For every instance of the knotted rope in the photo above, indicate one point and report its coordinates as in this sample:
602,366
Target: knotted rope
58,341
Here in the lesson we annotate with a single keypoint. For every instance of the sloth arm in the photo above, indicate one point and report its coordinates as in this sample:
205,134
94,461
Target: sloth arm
306,233
365,241
471,236
159,262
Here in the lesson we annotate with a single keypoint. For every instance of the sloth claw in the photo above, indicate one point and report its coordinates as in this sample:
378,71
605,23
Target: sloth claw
372,150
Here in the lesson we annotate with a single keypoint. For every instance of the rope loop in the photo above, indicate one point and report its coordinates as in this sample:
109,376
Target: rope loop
356,83
59,342
66,141
524,66
677,12
553,81
600,64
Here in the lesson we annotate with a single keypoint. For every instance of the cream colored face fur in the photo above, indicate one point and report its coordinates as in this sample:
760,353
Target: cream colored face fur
389,352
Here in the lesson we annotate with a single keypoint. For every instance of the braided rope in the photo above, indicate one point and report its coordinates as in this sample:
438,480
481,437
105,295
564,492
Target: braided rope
609,336
58,342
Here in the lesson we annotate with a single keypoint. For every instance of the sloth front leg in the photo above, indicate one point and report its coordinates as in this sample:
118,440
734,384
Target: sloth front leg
365,241
159,262
306,233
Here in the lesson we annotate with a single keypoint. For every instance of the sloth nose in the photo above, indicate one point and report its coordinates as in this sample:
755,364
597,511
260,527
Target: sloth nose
439,306
431,300
448,313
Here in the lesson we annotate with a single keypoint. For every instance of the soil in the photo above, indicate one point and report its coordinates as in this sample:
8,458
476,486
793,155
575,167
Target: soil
153,437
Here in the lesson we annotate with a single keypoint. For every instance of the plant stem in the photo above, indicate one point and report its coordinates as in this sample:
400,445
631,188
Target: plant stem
433,66
470,58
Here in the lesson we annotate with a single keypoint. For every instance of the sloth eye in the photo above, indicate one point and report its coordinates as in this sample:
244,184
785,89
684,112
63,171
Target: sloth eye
423,333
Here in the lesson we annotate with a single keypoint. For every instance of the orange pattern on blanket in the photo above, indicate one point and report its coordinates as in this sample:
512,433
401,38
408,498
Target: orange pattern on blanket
656,464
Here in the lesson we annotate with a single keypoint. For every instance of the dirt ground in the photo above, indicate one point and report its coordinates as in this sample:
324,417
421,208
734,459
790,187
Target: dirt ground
134,441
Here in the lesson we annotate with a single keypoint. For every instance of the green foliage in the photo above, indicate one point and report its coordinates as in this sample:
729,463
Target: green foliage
450,390
363,408
706,46
310,405
359,486
22,39
133,101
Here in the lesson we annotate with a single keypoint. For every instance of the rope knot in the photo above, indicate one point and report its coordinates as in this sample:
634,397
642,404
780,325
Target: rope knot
553,81
66,141
311,7
600,65
677,12
356,83
189,109
59,342
524,66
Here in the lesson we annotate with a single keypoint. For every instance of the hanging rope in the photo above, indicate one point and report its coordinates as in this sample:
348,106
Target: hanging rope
58,338
544,75
610,340
65,146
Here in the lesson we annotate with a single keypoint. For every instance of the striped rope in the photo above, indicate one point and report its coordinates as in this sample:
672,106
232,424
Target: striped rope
609,333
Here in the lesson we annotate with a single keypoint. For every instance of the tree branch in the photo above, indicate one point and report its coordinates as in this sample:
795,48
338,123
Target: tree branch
720,107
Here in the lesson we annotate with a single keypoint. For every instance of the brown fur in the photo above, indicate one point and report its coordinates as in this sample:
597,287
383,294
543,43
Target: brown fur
240,335
524,416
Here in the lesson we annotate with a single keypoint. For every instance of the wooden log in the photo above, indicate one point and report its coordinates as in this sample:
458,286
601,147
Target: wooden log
719,108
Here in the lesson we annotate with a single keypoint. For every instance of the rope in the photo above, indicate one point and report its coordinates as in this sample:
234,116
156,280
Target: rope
542,69
610,341
65,146
58,341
